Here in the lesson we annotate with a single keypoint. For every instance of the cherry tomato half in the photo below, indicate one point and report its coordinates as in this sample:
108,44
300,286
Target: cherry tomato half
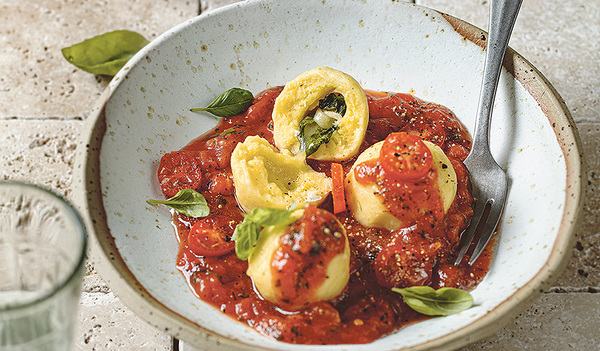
205,240
405,156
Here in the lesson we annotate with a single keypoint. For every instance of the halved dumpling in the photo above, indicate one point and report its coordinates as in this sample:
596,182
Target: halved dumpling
366,203
447,182
264,177
301,96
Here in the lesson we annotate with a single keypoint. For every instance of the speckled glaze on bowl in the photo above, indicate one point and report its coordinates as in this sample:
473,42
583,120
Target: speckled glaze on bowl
385,45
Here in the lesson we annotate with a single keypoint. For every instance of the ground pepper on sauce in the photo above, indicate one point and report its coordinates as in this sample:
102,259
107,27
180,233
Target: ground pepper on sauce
367,309
305,250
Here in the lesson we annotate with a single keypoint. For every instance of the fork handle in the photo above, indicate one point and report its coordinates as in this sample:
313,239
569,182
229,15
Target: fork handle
503,14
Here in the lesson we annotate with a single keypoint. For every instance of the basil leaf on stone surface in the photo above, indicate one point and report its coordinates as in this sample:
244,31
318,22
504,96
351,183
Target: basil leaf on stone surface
246,233
333,102
232,102
440,302
188,202
312,136
106,53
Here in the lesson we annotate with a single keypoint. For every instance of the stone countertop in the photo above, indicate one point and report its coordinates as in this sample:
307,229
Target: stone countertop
44,102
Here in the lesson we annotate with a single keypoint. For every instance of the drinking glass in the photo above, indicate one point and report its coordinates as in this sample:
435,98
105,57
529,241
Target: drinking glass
42,253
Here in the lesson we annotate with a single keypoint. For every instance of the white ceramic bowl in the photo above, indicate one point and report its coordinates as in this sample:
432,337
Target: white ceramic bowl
385,45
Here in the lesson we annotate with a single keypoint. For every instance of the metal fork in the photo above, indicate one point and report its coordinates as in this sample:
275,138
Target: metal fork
489,181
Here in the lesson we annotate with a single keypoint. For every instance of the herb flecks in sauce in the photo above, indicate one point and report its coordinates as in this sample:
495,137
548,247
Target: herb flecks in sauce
366,310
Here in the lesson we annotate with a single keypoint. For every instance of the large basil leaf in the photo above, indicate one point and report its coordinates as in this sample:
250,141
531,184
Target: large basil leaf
187,201
230,103
105,54
245,236
441,302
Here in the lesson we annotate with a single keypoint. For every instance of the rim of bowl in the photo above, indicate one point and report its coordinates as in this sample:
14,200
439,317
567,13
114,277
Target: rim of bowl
106,258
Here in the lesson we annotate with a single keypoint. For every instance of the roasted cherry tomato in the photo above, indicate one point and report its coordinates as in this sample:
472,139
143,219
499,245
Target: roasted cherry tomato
206,239
179,170
405,156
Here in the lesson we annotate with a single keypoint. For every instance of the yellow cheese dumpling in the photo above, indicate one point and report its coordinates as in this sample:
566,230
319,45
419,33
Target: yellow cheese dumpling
266,178
304,262
367,202
301,97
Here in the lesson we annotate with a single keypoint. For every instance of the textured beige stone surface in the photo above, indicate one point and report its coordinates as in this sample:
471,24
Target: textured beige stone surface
39,151
44,102
554,322
208,5
106,324
36,80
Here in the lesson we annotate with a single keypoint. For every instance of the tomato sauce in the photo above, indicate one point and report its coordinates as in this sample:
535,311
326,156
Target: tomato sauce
367,308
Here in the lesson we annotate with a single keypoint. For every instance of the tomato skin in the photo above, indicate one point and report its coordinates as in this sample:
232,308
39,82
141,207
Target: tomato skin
206,239
405,156
221,183
179,170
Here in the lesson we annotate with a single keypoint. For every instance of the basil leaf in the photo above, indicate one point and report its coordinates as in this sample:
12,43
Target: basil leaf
246,233
269,216
245,236
232,102
333,102
187,201
441,302
312,136
105,54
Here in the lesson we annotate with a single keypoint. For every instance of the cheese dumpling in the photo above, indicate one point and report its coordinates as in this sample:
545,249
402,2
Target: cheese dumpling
400,181
264,177
305,262
323,113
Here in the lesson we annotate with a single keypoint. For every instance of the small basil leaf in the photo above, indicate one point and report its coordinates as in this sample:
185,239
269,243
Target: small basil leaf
187,201
105,54
333,102
232,102
246,233
312,136
440,302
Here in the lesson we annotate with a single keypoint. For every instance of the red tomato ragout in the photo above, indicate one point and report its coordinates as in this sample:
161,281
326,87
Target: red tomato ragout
367,309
